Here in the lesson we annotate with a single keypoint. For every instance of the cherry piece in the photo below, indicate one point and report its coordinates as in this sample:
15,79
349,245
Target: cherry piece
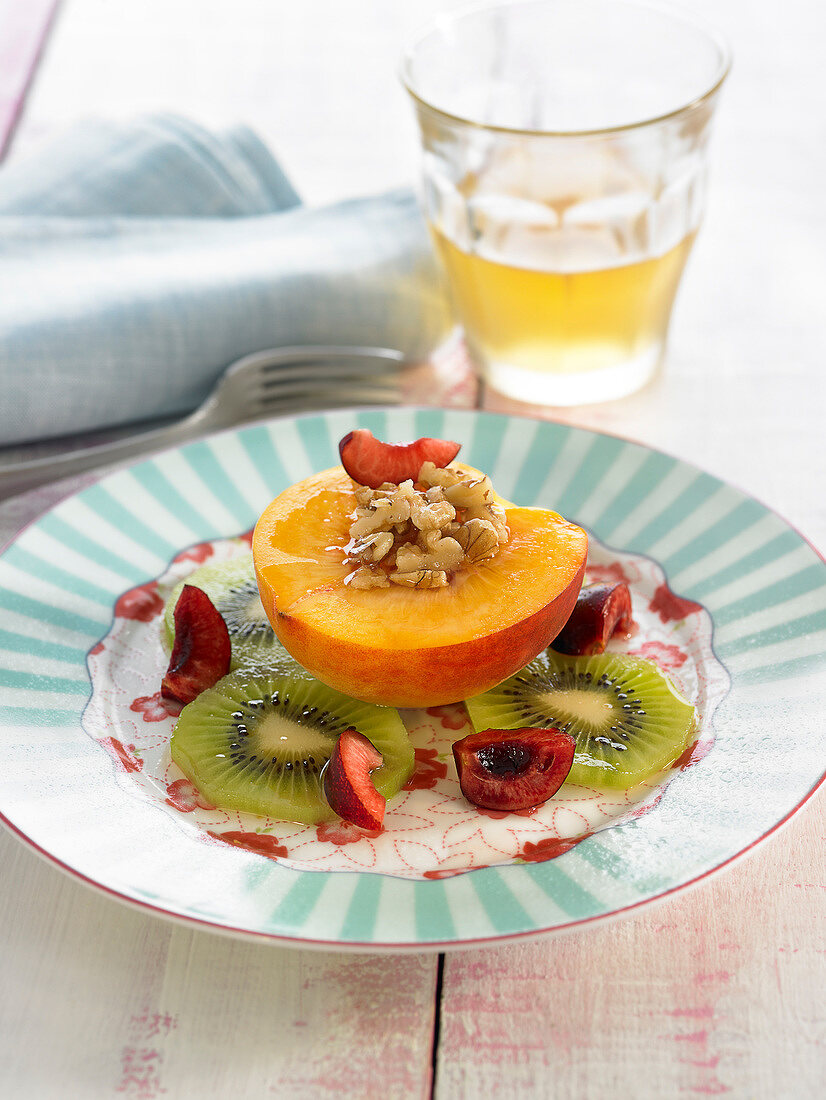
600,610
513,769
202,650
347,783
370,462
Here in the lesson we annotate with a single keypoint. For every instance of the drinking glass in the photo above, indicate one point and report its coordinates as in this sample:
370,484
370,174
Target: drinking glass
564,166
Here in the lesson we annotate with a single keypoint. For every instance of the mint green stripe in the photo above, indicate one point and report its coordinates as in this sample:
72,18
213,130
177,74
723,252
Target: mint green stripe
258,874
542,452
108,507
59,529
487,442
48,613
155,481
596,464
360,919
503,910
258,444
37,647
620,868
782,632
432,913
315,435
205,463
776,548
427,422
35,681
745,515
43,570
376,422
142,892
800,666
690,499
798,584
653,470
294,908
567,894
210,913
42,717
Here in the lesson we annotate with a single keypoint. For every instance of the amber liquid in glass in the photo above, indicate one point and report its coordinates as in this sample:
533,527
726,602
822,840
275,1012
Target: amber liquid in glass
525,324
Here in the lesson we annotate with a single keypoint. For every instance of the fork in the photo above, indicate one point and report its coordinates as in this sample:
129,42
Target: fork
264,384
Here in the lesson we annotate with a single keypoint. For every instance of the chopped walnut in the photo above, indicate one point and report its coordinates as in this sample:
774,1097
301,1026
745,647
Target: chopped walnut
374,547
447,554
478,539
470,494
437,475
419,537
441,552
497,518
371,519
421,578
431,517
409,557
368,578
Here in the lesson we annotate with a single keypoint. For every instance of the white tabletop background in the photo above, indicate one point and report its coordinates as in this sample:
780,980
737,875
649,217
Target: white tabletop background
716,991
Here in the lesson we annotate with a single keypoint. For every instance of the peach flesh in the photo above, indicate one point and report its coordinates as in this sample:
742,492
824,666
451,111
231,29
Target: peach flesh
408,647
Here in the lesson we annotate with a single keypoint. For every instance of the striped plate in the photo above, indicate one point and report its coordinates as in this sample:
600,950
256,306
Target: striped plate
763,585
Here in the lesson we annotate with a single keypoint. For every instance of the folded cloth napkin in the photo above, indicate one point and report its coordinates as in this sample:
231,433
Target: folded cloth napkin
138,261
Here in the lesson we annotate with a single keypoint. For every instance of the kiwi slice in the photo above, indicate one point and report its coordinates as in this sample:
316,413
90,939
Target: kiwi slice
232,587
258,741
628,719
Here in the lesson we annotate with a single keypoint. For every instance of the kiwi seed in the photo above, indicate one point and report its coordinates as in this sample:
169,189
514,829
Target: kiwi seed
258,742
628,719
232,587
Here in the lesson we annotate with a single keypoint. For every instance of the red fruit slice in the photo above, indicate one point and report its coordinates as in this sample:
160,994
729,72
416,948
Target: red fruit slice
347,783
600,610
202,649
370,462
513,769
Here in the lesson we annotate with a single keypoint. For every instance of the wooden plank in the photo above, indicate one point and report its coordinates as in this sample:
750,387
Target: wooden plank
99,1000
715,992
24,30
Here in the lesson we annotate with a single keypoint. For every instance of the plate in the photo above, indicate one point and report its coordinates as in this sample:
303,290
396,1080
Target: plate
715,570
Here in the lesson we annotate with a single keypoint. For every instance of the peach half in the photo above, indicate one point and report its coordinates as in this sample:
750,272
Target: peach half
408,647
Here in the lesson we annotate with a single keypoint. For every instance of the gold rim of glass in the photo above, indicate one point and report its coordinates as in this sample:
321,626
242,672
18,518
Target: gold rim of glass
453,17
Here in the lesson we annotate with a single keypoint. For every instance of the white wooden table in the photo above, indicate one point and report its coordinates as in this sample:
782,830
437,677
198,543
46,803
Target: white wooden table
716,991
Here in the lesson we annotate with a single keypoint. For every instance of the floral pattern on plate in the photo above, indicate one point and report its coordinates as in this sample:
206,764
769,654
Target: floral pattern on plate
431,831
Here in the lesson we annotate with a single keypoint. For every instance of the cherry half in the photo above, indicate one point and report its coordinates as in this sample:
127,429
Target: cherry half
348,785
202,650
370,462
600,611
513,769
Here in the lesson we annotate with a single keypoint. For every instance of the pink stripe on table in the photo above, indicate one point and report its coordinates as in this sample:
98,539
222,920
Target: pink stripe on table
24,28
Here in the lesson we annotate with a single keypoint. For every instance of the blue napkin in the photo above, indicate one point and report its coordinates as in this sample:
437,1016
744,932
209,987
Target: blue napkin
138,261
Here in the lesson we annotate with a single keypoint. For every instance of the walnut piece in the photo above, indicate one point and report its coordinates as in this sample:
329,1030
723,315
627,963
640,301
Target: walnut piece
431,517
374,547
478,539
422,578
419,535
367,578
